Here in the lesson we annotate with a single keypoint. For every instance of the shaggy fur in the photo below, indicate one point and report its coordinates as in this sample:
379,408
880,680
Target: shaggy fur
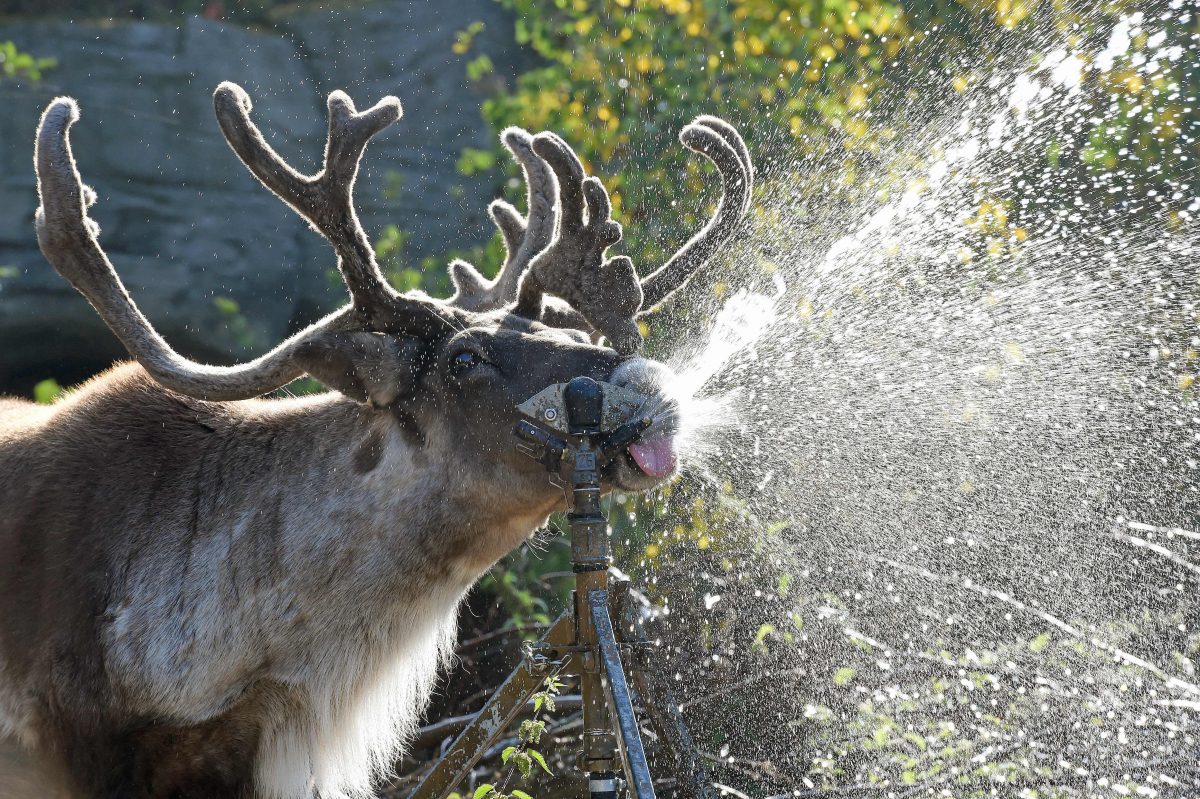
216,598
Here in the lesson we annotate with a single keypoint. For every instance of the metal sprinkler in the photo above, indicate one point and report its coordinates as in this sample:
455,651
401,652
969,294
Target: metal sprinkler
573,429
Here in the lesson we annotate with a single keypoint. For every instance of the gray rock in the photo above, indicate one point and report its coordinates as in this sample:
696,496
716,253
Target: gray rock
181,218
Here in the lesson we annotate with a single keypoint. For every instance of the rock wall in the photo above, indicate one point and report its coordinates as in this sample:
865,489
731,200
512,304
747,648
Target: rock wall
182,220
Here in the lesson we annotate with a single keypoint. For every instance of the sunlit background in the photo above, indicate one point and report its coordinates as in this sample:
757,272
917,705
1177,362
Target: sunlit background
937,532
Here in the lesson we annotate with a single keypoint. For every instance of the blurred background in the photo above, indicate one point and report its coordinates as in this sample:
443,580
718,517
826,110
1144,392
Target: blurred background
837,99
223,269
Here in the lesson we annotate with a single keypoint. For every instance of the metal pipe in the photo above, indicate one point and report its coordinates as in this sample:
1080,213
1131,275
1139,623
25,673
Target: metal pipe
637,769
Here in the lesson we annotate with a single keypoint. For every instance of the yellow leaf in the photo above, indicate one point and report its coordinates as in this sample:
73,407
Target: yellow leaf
857,128
844,676
857,100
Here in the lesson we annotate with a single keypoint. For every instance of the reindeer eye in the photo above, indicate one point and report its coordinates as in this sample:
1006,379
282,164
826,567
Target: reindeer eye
465,360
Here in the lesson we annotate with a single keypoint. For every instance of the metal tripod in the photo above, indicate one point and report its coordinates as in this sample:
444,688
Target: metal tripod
589,422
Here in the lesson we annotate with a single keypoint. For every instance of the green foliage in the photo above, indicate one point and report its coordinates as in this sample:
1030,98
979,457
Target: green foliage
472,161
479,66
622,77
237,327
512,587
47,391
16,65
466,37
808,81
521,757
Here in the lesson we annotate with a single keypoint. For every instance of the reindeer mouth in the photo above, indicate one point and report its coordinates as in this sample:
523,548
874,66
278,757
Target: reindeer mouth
655,456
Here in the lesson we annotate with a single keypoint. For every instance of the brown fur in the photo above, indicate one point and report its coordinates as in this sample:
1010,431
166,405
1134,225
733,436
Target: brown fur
301,521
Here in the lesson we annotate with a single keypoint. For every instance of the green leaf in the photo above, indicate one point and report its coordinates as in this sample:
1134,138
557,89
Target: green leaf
485,790
473,161
1039,643
227,305
47,391
763,631
507,753
478,67
541,761
518,794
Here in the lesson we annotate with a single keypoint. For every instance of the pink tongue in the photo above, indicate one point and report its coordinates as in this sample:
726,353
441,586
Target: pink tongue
654,456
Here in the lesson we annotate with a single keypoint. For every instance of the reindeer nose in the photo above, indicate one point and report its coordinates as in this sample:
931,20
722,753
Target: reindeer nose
653,380
643,376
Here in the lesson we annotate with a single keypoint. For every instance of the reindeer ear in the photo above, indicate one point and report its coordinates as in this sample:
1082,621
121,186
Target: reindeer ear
369,367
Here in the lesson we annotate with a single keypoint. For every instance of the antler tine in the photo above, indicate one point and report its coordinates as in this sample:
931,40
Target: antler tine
69,240
523,237
733,139
604,291
325,199
719,142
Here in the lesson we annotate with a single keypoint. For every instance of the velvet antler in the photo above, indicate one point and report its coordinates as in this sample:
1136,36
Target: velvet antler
523,237
70,241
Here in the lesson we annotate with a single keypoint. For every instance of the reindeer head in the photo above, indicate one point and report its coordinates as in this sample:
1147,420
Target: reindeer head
449,372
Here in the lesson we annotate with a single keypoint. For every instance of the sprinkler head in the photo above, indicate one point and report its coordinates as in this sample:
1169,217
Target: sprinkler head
551,408
584,401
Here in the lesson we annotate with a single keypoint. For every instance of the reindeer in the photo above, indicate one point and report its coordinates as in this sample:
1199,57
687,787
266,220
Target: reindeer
204,592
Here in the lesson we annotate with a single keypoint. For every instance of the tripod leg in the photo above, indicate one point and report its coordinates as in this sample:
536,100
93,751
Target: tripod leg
662,709
629,736
668,722
491,721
